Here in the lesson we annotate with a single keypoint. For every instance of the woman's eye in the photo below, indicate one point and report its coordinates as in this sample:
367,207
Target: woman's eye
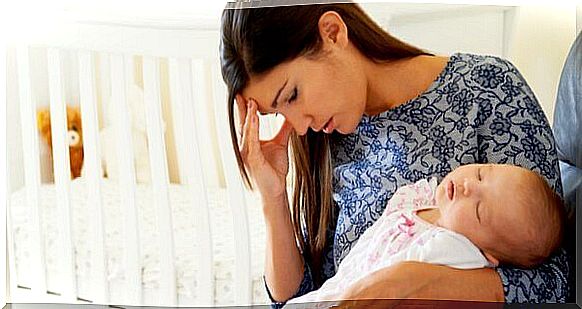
293,95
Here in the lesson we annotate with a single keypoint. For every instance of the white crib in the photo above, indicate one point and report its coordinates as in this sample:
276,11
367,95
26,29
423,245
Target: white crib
194,241
192,236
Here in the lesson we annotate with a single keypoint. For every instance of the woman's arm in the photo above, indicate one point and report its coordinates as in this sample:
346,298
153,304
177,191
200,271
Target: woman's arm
415,280
268,164
284,265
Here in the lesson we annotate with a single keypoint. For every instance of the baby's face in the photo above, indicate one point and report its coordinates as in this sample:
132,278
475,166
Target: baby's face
481,201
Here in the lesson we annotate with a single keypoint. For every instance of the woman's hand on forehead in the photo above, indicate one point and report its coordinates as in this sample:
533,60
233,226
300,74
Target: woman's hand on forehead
241,105
266,160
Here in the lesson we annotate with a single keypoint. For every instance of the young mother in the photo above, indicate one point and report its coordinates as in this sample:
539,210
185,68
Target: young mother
365,114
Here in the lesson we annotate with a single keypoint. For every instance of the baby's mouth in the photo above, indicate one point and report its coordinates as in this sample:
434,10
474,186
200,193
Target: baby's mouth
450,190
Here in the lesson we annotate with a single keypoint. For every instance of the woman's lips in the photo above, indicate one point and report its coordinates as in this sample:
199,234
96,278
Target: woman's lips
329,126
450,190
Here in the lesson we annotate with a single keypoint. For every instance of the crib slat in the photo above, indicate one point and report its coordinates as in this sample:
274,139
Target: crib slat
184,75
6,64
31,172
92,167
235,191
203,122
58,112
104,84
121,124
6,189
11,262
160,179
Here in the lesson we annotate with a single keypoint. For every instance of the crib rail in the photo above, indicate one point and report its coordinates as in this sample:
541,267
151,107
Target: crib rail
106,68
160,179
186,75
88,102
235,191
31,172
58,113
120,77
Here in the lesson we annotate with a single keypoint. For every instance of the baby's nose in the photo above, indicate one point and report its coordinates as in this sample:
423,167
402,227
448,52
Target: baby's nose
467,187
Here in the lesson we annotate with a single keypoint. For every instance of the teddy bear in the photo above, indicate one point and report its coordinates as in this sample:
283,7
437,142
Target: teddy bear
74,135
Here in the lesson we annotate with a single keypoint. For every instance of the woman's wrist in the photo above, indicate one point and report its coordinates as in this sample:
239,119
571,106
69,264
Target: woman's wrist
284,267
269,200
274,204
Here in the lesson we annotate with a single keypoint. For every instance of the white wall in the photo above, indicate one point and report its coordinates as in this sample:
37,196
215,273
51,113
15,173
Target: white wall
539,38
535,38
476,30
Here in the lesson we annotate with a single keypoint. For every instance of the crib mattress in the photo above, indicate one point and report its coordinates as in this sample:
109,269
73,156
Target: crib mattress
185,241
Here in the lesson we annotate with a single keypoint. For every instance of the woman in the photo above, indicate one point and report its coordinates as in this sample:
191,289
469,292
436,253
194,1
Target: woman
365,114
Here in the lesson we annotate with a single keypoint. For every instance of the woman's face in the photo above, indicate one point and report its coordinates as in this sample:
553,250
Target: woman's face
326,91
312,94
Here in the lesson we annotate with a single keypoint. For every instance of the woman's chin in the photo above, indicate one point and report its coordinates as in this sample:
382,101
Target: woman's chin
345,131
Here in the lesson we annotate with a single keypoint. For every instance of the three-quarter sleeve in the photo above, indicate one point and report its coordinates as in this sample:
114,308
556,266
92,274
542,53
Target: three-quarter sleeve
305,286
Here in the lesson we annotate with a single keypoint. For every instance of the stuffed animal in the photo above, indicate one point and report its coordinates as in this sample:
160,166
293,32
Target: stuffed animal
109,151
74,135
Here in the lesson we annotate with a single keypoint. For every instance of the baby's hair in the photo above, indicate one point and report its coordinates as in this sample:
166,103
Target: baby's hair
545,228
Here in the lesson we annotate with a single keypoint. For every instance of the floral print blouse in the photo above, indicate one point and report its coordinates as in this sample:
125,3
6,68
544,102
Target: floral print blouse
478,110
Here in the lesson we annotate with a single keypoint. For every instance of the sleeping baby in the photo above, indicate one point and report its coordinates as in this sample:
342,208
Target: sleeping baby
478,216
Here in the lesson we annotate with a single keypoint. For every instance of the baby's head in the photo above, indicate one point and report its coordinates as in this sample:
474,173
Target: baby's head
509,212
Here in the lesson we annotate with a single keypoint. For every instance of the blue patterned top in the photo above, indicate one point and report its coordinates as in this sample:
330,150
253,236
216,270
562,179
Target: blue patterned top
478,110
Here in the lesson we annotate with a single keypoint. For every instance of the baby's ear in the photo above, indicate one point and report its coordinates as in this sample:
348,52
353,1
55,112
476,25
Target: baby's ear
491,259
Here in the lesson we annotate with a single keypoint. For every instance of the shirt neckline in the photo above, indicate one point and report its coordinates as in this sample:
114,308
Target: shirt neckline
434,85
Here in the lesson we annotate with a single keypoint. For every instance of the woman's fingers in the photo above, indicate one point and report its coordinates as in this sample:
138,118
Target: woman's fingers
253,133
282,137
250,146
241,105
245,123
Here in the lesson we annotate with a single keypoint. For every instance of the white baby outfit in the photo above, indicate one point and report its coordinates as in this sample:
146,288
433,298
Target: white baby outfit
400,235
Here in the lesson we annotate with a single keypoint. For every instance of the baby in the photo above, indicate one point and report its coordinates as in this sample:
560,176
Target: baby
478,216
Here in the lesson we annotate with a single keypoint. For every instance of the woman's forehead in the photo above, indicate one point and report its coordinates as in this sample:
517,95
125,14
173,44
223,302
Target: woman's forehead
265,88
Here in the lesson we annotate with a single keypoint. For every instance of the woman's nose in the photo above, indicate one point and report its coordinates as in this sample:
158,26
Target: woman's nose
299,122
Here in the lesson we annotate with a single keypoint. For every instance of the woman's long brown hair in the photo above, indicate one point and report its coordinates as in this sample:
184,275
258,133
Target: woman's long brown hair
254,41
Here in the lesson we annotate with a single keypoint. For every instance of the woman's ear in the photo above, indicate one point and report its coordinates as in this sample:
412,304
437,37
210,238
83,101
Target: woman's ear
333,30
